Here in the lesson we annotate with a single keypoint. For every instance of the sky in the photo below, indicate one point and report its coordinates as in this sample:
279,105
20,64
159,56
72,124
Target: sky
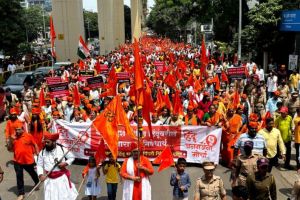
91,5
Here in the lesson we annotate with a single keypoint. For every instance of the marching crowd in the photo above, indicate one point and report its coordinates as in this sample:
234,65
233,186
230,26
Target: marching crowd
259,114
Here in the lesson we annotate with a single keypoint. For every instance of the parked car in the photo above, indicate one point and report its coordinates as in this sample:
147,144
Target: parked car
16,81
46,70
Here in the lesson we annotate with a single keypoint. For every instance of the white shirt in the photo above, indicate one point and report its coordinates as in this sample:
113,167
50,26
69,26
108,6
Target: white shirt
46,160
94,95
11,68
272,84
68,113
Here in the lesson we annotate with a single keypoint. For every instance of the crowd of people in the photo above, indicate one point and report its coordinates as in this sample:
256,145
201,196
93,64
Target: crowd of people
259,115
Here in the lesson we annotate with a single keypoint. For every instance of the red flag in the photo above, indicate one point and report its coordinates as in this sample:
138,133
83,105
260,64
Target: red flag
97,67
197,86
190,80
42,98
165,159
178,108
148,106
178,74
81,65
170,80
52,36
160,103
107,124
100,156
182,65
224,76
168,102
204,58
76,96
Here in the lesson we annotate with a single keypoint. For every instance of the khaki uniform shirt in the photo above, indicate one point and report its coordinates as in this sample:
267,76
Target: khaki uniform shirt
261,188
246,166
293,105
212,190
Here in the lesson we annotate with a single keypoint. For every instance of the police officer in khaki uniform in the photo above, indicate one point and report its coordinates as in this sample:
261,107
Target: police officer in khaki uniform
261,184
244,165
209,186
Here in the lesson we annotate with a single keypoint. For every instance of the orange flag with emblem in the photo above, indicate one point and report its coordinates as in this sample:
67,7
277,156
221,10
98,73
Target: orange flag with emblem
107,124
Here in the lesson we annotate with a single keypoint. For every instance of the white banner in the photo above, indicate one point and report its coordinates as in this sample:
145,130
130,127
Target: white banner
195,143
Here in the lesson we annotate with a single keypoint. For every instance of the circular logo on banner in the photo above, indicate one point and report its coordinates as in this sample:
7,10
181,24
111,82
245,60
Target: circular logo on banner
211,140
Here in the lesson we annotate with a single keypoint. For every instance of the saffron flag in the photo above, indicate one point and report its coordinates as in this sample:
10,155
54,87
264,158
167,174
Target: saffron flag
170,80
107,124
52,37
204,58
42,98
148,106
165,159
177,107
83,51
224,77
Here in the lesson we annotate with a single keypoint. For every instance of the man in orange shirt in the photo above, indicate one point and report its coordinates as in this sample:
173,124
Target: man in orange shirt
10,125
136,174
24,148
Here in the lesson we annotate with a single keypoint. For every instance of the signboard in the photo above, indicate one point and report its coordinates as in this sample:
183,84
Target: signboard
104,69
159,66
290,20
194,143
293,62
123,77
95,82
85,74
53,80
236,72
58,90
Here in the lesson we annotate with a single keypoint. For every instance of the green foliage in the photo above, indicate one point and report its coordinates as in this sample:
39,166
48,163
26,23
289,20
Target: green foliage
34,24
91,24
11,25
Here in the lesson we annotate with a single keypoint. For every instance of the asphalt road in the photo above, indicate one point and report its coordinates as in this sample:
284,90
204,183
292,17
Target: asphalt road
161,189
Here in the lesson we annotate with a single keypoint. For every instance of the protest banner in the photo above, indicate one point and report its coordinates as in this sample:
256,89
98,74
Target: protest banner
85,74
236,72
194,143
123,77
58,90
53,80
104,69
159,66
95,82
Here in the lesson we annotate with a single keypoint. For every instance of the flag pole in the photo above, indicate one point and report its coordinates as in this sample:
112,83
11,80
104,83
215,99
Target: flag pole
59,161
140,133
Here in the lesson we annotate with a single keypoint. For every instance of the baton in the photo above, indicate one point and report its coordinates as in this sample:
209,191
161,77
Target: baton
55,165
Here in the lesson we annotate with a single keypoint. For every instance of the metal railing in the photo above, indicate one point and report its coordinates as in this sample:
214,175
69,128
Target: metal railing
5,75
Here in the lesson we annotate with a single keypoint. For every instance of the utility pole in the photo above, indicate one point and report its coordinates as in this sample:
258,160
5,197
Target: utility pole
240,31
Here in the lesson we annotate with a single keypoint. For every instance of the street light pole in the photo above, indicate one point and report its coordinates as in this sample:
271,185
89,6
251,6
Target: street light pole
240,31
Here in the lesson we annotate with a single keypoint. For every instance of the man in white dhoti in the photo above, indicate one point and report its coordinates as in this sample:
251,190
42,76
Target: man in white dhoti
57,186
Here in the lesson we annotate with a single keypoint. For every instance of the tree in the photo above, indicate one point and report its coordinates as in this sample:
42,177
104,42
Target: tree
34,22
90,24
11,25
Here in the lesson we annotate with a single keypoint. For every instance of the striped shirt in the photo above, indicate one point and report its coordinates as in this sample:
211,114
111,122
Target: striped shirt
259,143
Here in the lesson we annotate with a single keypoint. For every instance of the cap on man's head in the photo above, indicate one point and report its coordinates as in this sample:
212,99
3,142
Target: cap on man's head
262,162
284,109
277,93
208,165
51,136
13,111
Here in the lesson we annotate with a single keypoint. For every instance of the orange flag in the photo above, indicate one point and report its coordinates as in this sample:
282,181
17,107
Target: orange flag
138,71
236,99
52,36
216,80
98,67
224,76
197,86
42,98
165,159
204,58
76,96
107,124
100,156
